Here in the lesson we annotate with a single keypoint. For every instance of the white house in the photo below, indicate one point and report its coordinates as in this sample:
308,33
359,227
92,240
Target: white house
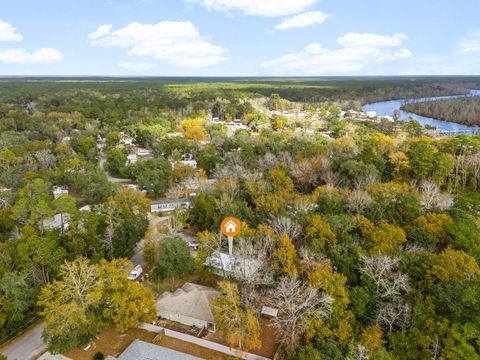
191,163
189,305
167,205
175,135
59,221
131,159
224,264
59,190
125,139
142,152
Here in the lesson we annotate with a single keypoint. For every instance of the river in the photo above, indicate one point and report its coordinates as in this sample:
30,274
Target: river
389,107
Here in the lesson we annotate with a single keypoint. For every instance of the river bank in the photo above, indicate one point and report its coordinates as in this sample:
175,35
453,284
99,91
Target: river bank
465,110
384,108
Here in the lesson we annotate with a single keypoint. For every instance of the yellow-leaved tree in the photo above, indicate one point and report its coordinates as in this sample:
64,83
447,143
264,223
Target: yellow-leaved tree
240,326
382,239
285,256
89,297
125,303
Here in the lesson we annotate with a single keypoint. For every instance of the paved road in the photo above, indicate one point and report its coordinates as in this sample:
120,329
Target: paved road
30,345
137,258
27,346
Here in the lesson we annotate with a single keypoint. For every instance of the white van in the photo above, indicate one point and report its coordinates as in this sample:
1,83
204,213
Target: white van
135,273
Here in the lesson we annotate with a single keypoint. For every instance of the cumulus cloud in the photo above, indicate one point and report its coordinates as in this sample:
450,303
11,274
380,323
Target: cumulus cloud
303,20
351,57
22,56
179,43
258,7
102,30
8,32
140,67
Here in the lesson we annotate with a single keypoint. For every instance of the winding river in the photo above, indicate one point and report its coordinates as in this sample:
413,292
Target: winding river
389,107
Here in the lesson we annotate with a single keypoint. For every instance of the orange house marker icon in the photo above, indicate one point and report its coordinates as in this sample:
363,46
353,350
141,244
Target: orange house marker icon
230,226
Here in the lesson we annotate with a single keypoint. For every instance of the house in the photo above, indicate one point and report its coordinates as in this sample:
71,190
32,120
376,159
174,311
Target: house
371,114
224,264
141,350
175,135
131,186
85,208
189,305
191,163
125,139
131,159
59,221
59,191
142,152
167,205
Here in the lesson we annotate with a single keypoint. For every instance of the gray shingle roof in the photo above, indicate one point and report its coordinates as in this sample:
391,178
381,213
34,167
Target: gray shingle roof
141,350
190,300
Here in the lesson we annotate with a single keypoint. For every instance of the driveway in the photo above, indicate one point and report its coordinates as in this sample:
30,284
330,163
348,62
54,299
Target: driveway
27,346
102,161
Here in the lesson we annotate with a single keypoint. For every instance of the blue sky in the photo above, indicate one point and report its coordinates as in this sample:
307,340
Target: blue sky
239,37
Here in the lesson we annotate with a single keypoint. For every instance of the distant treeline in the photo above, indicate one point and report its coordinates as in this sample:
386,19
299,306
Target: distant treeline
180,92
462,110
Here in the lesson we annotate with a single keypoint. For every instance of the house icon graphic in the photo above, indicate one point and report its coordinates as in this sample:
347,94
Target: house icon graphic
230,227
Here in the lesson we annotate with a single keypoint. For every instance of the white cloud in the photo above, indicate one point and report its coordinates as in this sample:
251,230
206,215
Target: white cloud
102,30
258,7
351,57
179,43
462,60
8,32
303,20
140,67
22,56
470,44
362,40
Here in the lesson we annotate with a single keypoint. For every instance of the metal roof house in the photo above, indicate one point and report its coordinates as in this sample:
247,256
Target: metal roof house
168,205
59,221
141,350
189,305
224,264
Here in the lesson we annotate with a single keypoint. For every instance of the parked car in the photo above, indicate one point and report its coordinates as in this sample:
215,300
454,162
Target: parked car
135,273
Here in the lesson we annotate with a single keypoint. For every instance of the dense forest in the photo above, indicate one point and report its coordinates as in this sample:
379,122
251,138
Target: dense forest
365,235
462,110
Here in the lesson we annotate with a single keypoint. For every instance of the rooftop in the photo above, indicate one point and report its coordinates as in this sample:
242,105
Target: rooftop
141,350
190,300
233,264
